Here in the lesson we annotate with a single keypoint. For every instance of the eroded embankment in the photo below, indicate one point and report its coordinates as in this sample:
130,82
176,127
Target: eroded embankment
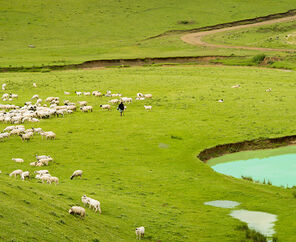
120,62
261,143
291,12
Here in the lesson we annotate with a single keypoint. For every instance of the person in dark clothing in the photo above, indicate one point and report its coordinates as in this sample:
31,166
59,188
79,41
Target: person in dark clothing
121,108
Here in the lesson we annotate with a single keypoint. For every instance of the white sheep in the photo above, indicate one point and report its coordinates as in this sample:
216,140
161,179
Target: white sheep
25,175
220,101
140,232
86,93
18,160
86,108
76,173
77,210
236,86
148,107
96,205
148,95
54,179
78,93
67,93
34,84
41,172
85,200
3,86
268,90
96,93
114,101
46,177
16,172
39,157
140,94
25,137
106,106
35,97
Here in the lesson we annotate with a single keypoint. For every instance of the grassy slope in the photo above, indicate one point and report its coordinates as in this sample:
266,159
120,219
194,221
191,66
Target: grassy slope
74,31
137,182
270,36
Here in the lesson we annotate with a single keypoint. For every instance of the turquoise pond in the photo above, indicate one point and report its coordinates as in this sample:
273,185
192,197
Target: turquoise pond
277,166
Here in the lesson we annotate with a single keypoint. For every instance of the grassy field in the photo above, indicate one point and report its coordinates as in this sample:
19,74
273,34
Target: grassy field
143,167
65,31
281,35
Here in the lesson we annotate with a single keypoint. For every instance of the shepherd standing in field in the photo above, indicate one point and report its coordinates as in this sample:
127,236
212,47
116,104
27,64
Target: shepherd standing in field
121,108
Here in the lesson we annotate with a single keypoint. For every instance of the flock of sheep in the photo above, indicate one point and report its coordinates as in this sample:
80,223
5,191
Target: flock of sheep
32,112
25,134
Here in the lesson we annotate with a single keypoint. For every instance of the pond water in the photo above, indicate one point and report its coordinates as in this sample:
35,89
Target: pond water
259,221
222,204
277,166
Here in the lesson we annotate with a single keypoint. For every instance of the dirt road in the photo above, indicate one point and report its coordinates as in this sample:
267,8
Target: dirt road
197,38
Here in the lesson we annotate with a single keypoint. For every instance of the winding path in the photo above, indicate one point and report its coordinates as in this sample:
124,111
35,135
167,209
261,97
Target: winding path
196,38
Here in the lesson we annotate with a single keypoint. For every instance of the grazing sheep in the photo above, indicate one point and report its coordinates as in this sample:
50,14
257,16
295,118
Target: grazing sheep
13,95
77,210
54,179
268,90
67,93
76,173
106,106
16,172
140,94
148,95
78,93
236,86
25,175
97,94
41,172
220,100
85,200
126,99
34,84
35,97
96,205
114,101
46,177
148,107
86,108
25,137
48,135
39,157
3,86
86,93
140,232
82,103
18,160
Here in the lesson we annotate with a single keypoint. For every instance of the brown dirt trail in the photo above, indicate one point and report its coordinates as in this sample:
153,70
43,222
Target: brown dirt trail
196,38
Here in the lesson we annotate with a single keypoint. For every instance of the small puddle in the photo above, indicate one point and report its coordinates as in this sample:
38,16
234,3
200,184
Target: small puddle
222,204
277,166
259,221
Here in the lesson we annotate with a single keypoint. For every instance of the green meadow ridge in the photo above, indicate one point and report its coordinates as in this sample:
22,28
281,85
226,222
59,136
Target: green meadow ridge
67,32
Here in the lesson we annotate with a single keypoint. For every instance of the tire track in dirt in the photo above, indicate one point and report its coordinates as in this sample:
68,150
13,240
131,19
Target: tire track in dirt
197,38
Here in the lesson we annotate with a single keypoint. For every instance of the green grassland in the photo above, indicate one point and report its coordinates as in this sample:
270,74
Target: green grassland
72,31
275,36
143,167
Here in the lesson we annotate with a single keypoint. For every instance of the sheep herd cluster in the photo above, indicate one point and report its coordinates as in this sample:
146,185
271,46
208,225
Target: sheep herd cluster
25,134
32,112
